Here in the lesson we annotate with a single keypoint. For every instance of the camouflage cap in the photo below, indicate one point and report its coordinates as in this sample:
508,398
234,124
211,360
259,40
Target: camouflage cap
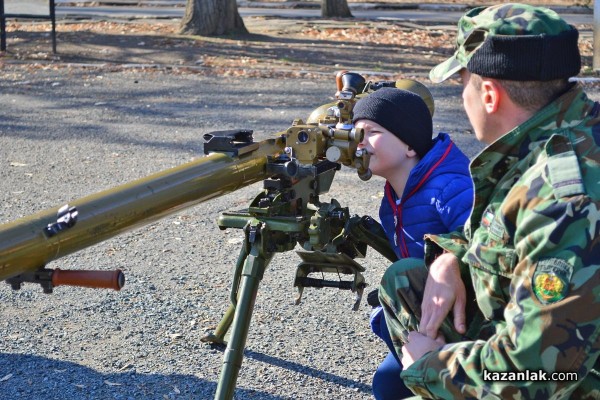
513,41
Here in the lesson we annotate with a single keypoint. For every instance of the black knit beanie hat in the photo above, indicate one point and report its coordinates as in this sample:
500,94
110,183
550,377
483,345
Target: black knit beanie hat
401,112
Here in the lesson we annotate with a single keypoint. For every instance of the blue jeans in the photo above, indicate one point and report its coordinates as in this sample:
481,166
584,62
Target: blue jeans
387,384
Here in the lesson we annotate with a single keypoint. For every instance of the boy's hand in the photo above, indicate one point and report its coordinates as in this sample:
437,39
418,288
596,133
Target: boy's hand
444,291
417,345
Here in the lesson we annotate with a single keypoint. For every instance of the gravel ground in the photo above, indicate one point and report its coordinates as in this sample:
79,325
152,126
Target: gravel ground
68,133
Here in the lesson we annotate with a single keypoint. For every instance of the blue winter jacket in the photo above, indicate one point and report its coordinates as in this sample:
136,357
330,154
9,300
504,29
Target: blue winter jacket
437,199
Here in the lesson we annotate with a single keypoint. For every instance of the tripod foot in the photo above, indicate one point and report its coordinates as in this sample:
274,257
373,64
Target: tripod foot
214,339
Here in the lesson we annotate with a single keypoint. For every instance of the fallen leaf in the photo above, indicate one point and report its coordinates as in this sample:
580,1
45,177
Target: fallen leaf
124,367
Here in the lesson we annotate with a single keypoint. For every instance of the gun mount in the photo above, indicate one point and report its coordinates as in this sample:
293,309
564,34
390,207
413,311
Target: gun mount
296,167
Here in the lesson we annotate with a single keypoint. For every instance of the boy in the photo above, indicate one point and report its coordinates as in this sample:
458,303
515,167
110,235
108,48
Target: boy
428,189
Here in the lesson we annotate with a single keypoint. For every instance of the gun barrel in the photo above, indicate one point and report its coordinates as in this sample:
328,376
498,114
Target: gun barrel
30,243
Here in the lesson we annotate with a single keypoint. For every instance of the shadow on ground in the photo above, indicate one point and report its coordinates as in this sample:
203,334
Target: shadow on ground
25,376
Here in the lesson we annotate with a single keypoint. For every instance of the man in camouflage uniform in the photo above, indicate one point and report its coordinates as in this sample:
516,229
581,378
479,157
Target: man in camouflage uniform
518,289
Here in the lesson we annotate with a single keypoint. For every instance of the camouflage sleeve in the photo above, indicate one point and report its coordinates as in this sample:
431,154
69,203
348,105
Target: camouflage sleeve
551,322
454,242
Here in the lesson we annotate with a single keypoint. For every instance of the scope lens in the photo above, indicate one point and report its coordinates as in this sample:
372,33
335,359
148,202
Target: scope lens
302,136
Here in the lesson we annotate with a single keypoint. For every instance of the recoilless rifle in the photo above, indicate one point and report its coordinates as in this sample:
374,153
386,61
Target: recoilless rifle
296,166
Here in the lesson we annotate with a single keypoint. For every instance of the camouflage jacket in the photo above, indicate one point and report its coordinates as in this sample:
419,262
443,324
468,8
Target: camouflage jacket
531,249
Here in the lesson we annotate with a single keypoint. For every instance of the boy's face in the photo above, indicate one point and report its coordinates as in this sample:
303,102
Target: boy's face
389,154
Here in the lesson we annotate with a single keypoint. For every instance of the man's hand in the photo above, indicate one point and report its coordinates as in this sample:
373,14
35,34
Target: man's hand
444,291
417,345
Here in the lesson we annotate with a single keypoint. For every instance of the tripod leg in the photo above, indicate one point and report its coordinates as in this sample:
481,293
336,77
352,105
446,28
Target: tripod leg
252,274
218,336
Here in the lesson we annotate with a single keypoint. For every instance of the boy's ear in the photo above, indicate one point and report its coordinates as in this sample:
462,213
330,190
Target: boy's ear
410,152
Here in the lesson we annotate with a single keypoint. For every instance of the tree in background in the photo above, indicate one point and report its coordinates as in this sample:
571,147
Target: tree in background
212,17
335,9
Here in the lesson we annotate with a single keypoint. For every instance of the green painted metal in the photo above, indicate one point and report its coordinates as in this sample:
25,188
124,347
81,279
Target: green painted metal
24,246
253,271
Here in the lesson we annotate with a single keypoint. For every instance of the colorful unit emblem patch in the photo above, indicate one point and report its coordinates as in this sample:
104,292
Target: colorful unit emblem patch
549,288
551,280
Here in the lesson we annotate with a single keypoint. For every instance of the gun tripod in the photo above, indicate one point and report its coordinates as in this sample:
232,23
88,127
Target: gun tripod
286,213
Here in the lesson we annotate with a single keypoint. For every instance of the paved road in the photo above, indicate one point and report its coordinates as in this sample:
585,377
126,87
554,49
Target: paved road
430,14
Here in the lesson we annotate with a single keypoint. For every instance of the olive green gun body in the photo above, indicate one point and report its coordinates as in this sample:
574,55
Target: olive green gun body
32,242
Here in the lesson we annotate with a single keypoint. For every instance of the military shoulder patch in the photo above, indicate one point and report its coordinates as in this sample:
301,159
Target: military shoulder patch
551,280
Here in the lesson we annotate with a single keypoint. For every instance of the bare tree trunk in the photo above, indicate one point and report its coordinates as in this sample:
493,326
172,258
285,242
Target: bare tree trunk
211,18
335,9
596,37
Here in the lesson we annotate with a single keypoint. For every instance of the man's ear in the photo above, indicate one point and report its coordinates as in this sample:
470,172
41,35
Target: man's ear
491,95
